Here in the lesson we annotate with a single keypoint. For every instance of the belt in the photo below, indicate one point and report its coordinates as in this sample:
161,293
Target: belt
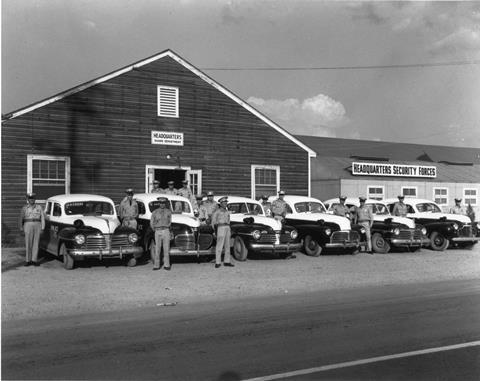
364,221
31,220
223,224
162,228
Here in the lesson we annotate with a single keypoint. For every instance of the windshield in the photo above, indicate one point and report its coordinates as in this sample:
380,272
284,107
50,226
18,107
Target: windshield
91,208
249,208
380,209
178,206
312,207
428,207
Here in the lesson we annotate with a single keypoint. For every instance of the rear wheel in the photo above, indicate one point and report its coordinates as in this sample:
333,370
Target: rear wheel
240,251
311,246
438,242
68,261
379,245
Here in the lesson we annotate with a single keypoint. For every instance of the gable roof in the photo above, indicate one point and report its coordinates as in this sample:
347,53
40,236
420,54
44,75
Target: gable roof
146,61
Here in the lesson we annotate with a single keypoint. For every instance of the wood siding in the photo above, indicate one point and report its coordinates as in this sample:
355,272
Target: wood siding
106,131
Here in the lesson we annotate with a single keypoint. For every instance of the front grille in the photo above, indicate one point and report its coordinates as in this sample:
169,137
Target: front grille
205,241
267,238
343,236
120,240
185,242
96,242
465,231
285,238
405,234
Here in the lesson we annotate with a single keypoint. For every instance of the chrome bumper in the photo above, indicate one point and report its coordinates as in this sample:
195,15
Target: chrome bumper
410,242
120,252
465,239
177,251
276,248
343,245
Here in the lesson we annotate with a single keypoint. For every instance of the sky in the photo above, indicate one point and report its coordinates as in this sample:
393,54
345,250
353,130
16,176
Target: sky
388,71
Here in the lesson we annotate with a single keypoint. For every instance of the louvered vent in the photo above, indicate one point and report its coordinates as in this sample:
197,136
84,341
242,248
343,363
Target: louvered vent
168,101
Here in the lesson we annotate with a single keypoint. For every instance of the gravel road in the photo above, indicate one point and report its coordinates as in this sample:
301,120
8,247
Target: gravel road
49,290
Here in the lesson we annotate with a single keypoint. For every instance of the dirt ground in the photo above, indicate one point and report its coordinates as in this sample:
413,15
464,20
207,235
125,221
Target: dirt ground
50,290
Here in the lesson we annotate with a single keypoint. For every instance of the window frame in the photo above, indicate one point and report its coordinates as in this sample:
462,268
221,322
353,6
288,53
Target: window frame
177,93
254,167
376,186
470,197
409,187
32,158
446,196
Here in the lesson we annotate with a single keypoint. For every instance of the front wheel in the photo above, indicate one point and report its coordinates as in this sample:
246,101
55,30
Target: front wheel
68,261
240,251
311,246
379,245
438,242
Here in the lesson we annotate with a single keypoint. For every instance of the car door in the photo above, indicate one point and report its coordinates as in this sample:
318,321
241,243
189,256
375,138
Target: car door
56,225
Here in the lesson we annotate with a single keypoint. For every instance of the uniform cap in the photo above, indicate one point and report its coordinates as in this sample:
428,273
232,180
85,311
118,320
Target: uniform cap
210,193
458,200
31,195
171,183
162,200
401,196
156,182
343,197
129,190
264,197
280,193
362,198
223,199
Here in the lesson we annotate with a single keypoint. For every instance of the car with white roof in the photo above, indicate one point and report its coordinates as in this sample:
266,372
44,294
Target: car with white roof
443,229
318,229
254,232
188,236
387,230
78,226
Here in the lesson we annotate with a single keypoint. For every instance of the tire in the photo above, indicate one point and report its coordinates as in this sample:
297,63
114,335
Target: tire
240,251
132,262
379,245
311,247
438,242
68,261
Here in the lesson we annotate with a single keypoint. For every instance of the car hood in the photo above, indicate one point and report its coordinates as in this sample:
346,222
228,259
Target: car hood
274,224
342,222
106,224
435,216
185,220
399,220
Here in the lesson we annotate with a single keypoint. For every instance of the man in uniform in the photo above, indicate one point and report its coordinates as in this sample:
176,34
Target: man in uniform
221,225
458,208
160,223
364,217
400,209
185,191
128,211
207,208
170,189
267,206
156,187
31,223
279,207
342,209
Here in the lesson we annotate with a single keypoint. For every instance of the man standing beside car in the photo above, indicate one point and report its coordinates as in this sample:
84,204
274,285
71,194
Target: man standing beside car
207,209
341,209
160,223
32,223
458,208
400,209
279,207
128,211
364,217
267,206
221,226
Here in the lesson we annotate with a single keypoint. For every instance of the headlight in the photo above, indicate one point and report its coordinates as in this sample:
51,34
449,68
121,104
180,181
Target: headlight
424,231
293,234
80,239
132,237
396,231
455,226
362,230
328,231
256,234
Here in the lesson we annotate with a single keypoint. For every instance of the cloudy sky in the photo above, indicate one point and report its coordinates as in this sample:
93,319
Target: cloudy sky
390,71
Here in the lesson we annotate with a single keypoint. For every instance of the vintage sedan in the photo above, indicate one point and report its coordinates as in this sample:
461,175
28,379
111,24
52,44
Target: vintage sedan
387,230
254,232
188,236
443,229
318,229
85,225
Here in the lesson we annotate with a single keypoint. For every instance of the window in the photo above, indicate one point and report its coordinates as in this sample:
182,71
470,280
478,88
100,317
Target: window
48,175
57,210
409,191
265,180
195,181
167,101
470,196
440,196
376,192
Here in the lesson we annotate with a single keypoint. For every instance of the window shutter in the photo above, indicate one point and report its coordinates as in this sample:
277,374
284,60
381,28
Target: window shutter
168,101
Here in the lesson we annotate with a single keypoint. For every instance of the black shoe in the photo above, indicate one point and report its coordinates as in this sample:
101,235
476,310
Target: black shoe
217,265
228,264
167,268
36,264
28,263
156,268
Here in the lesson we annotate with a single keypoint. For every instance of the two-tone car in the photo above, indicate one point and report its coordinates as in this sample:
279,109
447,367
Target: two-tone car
188,236
253,232
443,229
387,231
319,230
78,226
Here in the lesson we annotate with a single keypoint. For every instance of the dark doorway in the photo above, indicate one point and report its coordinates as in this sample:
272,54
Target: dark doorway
166,175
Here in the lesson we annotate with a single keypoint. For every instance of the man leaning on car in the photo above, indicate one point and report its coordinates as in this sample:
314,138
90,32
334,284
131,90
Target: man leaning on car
128,211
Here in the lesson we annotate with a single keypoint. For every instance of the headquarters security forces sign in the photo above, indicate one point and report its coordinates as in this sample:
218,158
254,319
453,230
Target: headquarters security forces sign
395,170
167,138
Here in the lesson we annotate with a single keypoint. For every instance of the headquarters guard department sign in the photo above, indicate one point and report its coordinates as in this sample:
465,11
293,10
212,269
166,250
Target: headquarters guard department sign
396,170
167,138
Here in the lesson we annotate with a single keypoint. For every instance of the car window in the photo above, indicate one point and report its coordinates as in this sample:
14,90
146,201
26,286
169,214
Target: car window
410,209
428,207
48,208
141,207
57,210
87,208
237,207
254,209
289,209
174,205
327,206
380,209
314,207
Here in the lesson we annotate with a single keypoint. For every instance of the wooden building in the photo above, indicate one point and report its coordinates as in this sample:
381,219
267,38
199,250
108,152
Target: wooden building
160,118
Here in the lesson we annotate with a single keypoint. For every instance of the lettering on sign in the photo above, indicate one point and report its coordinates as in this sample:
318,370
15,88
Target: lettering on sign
395,170
167,138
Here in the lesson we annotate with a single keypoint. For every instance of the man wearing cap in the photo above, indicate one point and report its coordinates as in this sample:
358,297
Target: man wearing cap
458,208
185,191
400,209
342,209
206,210
160,223
279,207
156,187
221,225
31,223
267,206
364,217
170,189
128,211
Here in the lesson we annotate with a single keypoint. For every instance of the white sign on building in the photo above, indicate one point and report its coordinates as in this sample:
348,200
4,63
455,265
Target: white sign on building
395,170
167,138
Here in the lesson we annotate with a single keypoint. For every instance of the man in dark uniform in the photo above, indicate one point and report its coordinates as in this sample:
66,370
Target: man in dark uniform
342,209
31,223
160,223
221,225
267,206
128,211
156,187
364,217
400,209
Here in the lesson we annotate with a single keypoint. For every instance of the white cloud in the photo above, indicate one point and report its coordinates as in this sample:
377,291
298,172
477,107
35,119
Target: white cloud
319,115
462,39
